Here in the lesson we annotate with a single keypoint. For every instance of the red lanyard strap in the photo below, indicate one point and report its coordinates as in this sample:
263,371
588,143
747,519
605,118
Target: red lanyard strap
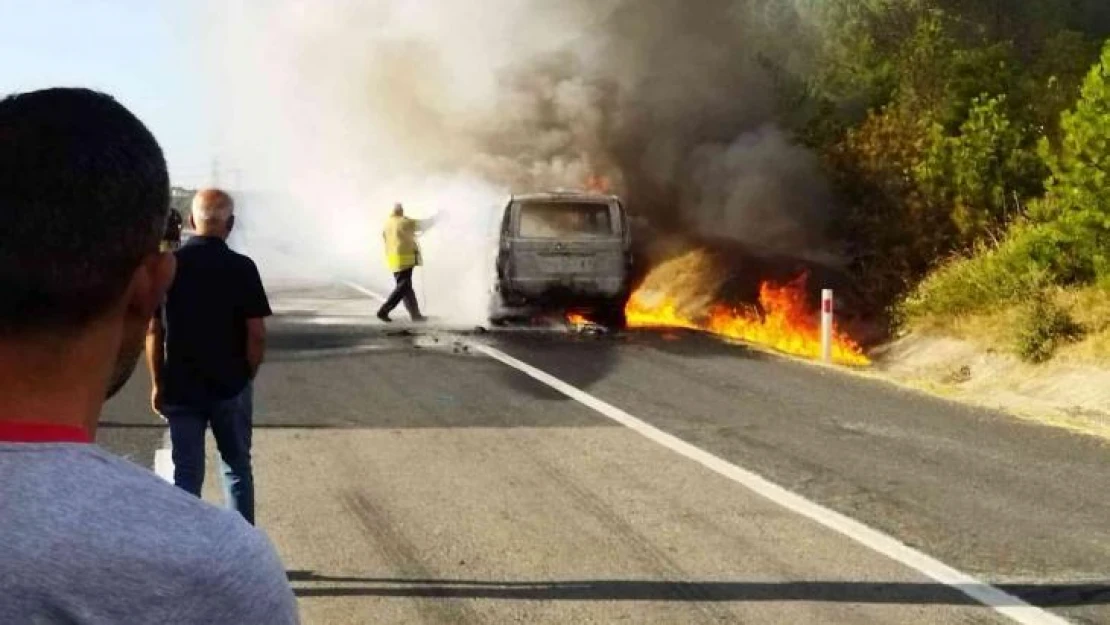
24,432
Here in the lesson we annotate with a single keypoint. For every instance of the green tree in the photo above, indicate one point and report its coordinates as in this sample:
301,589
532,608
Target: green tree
1078,199
892,230
1053,79
984,172
929,116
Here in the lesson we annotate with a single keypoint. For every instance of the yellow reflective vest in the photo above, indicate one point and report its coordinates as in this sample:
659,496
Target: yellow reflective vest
401,249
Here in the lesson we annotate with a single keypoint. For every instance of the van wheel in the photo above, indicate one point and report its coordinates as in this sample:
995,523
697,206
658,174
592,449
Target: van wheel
611,315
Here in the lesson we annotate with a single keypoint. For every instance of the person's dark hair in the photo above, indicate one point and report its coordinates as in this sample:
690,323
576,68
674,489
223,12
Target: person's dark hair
84,196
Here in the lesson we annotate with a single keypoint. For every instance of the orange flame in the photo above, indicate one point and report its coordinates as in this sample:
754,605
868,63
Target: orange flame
787,324
598,183
577,319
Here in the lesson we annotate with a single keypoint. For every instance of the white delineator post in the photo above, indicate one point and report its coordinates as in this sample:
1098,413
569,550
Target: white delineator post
826,324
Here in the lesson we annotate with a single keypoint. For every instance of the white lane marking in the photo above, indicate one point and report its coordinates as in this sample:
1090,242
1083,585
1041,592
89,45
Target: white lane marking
163,459
1002,602
365,291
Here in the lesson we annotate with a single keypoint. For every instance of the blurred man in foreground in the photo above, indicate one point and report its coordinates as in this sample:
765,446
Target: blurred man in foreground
402,255
87,538
205,350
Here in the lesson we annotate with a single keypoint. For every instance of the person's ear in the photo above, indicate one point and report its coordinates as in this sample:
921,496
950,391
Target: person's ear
230,223
192,222
150,282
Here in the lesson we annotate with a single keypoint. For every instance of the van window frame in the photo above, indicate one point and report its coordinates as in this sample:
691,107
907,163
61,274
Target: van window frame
616,221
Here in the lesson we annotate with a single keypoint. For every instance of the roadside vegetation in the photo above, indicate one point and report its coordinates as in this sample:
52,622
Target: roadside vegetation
970,145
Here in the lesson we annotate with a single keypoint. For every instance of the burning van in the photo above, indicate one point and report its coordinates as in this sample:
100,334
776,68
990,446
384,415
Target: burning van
563,249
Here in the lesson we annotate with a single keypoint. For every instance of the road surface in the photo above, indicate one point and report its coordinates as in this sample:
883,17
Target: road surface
406,478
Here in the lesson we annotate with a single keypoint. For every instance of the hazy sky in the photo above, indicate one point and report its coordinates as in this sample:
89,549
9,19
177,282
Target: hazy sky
140,51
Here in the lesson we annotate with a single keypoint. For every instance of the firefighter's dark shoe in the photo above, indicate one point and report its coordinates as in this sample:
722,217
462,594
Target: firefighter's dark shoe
384,317
419,319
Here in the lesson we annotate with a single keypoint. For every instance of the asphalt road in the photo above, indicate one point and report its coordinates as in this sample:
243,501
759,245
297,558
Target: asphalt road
405,479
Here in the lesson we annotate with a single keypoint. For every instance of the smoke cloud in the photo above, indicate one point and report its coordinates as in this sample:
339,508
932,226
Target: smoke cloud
334,110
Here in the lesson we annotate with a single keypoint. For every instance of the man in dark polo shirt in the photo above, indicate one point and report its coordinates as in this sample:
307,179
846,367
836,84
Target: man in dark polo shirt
204,351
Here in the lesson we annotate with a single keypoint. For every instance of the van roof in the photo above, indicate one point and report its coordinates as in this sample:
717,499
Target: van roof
568,195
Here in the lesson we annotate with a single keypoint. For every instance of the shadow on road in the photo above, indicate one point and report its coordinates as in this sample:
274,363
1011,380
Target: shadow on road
584,360
298,334
580,361
325,341
910,593
161,426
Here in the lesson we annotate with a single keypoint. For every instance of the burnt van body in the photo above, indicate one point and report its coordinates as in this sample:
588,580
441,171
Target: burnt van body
563,249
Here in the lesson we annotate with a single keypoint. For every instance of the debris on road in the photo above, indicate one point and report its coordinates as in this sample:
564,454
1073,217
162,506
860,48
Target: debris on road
583,325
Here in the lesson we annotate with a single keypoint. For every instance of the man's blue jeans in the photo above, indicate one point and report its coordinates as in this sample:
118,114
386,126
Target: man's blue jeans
231,422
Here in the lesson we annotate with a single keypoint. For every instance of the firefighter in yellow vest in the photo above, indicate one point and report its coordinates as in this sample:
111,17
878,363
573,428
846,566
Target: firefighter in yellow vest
402,254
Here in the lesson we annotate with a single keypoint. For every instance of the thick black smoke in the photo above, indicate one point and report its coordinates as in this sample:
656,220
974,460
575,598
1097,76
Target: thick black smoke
675,103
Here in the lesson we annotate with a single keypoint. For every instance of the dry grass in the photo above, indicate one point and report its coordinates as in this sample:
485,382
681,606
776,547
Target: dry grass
997,329
689,282
1091,308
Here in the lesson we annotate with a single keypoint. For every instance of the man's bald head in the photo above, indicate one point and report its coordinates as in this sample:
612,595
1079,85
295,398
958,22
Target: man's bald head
213,212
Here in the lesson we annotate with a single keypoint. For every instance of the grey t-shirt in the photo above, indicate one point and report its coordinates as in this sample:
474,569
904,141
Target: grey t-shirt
87,538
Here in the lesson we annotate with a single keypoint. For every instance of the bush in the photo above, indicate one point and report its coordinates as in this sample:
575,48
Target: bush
1045,326
991,275
1032,256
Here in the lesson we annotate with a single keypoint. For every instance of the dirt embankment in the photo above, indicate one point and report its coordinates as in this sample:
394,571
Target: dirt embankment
1066,393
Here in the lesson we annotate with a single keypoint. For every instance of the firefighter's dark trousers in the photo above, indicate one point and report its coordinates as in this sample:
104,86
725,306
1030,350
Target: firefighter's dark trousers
402,293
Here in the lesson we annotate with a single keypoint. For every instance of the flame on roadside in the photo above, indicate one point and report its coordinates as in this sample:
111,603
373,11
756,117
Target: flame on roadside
787,323
577,319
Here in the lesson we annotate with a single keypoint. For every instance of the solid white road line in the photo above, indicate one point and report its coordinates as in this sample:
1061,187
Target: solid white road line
1004,603
365,291
986,594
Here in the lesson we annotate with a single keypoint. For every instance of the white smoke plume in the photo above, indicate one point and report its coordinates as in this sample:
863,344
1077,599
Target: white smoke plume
334,110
